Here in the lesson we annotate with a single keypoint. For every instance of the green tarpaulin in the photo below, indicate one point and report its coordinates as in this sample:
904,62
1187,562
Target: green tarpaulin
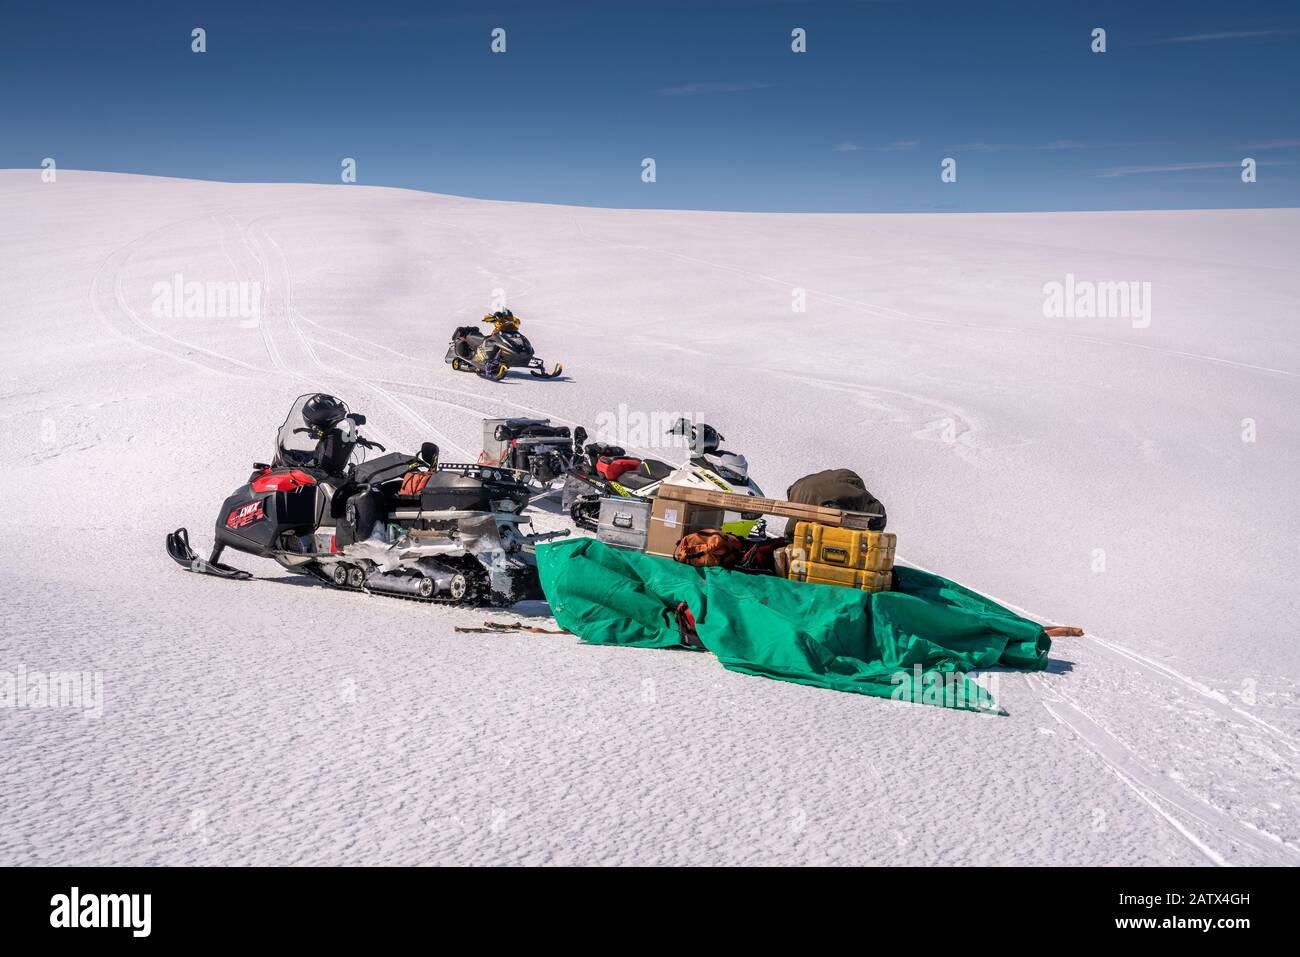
912,644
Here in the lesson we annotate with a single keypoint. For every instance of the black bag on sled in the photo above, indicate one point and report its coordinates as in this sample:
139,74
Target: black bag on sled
838,488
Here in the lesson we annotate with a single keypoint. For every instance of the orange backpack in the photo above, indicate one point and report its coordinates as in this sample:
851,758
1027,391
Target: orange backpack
709,547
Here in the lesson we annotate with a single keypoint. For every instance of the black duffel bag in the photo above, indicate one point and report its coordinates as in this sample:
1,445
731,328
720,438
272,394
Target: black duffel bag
838,488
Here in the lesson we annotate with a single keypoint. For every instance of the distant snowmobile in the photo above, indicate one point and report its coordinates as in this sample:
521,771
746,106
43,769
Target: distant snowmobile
603,471
402,525
493,354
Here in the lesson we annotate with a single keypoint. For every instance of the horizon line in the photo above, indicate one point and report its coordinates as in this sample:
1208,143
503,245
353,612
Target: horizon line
37,171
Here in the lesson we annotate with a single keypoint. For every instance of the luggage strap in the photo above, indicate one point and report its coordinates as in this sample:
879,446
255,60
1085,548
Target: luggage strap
686,627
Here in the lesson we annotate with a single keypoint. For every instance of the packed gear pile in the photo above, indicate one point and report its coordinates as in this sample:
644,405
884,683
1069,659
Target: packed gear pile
681,554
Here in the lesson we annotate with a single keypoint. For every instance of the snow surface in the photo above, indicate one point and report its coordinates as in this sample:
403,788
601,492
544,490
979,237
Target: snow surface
274,721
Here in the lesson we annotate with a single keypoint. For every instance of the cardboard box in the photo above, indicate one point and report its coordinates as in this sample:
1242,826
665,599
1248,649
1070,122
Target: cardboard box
670,519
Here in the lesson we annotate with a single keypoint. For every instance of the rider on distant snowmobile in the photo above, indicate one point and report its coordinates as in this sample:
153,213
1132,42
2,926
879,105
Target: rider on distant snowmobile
503,320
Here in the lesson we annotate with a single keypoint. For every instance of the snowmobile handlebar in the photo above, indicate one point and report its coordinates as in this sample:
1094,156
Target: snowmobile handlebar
363,442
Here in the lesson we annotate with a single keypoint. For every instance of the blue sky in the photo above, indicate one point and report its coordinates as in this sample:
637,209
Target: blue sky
711,91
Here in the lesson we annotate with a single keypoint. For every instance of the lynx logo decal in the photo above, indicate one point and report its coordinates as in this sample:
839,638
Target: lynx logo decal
246,515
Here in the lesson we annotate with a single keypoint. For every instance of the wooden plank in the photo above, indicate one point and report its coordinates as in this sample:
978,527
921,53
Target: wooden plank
767,506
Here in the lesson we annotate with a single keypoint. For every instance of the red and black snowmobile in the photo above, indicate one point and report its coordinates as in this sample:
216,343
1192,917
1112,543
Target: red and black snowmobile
403,525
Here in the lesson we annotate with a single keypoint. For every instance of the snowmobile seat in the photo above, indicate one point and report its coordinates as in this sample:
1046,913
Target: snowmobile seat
383,469
611,467
654,470
647,472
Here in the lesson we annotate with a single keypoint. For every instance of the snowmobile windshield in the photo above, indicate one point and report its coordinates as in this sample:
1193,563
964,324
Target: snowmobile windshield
295,448
294,444
732,467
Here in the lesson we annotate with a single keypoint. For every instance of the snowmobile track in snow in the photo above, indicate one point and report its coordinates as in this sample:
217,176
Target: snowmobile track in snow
1177,805
109,304
1206,827
1187,812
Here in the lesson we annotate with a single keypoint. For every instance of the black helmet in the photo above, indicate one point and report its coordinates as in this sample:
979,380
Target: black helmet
705,439
702,438
323,411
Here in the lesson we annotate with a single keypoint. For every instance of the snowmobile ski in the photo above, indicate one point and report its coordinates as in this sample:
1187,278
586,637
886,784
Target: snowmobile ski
178,547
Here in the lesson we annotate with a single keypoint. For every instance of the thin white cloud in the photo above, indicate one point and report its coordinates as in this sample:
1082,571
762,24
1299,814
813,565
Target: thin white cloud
1063,145
698,89
1225,35
983,148
1273,145
1174,168
847,147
